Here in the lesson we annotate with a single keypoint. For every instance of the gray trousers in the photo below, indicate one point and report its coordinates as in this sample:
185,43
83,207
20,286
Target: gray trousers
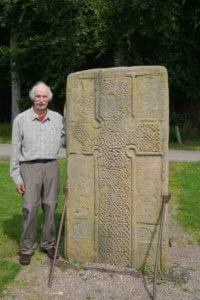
41,181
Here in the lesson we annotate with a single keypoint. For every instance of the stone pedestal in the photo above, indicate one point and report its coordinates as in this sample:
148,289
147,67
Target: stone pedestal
117,164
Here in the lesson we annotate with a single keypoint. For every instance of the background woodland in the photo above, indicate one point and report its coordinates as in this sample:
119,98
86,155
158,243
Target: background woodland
46,40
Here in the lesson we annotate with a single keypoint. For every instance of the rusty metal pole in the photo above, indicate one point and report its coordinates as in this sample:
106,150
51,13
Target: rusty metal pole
165,200
53,263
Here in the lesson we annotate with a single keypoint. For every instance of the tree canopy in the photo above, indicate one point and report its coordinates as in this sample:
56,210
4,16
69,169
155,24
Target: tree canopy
55,38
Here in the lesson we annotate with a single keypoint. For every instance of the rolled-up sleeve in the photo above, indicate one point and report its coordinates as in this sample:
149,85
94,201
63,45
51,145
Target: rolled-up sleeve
15,153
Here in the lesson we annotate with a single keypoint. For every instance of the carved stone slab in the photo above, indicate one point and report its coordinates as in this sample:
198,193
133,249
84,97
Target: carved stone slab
117,164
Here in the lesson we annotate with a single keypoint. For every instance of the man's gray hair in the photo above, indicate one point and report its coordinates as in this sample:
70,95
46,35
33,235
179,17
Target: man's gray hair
32,91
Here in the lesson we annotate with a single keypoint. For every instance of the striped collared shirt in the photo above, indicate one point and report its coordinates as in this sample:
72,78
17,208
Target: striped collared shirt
34,140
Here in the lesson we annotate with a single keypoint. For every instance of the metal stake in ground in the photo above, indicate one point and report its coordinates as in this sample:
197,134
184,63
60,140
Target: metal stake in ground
53,263
165,199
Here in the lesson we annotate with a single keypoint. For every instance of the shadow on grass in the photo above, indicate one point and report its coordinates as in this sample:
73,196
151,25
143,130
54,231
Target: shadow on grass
8,272
12,227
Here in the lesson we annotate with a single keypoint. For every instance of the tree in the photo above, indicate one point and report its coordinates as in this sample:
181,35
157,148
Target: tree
15,77
62,42
56,38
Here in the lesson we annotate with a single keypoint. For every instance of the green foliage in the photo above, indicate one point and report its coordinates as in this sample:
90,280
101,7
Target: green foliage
184,186
56,38
190,138
5,133
145,268
4,55
58,44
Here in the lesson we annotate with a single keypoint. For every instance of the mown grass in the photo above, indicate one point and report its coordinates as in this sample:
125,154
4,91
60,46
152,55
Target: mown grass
189,144
185,188
8,271
11,222
5,133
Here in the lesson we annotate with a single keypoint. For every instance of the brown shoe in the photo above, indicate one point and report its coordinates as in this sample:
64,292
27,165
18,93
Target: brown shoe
51,252
24,259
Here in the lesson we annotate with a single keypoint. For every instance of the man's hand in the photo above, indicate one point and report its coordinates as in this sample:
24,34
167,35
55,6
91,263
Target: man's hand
20,188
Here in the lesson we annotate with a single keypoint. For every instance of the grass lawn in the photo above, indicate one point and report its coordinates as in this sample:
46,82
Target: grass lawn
185,188
11,221
190,144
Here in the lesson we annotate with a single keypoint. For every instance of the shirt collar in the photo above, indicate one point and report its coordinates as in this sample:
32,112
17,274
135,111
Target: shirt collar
35,116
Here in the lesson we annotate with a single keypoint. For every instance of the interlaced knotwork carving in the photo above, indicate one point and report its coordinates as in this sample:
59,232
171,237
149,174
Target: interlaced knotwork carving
115,193
81,134
114,166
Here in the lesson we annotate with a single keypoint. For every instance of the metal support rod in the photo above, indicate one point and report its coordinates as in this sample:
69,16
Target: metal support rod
165,199
53,262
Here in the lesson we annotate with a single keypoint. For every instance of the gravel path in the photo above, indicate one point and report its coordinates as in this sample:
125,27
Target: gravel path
184,155
174,155
31,282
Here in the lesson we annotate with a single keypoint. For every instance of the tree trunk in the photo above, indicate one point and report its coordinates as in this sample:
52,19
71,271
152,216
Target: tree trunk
15,78
119,55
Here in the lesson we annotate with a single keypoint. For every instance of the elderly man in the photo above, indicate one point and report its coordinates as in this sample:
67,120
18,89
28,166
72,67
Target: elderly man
37,136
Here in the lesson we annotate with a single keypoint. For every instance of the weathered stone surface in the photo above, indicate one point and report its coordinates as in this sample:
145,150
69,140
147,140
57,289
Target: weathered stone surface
117,164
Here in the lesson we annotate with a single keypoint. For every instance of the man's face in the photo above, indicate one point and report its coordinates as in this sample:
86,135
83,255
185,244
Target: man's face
41,98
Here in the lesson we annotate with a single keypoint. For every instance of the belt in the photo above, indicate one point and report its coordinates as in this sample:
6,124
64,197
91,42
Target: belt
38,161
